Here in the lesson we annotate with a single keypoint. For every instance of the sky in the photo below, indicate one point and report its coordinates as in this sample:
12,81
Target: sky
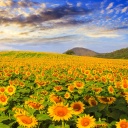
59,25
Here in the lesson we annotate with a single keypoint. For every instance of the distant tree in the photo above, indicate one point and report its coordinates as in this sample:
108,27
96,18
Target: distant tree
69,52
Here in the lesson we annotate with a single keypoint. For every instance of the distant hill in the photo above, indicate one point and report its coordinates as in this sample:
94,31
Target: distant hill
118,54
81,52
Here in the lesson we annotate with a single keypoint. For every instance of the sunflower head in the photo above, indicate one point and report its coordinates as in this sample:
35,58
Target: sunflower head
86,98
117,84
60,112
3,99
25,120
58,88
67,95
71,88
79,84
124,84
92,101
55,99
97,90
104,79
34,105
2,89
110,89
86,121
78,107
106,100
122,124
10,89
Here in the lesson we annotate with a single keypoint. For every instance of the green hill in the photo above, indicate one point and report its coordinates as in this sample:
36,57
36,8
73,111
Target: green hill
118,54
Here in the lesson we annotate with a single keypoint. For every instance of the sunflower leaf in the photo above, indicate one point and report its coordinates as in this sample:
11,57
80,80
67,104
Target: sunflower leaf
42,117
2,118
4,125
101,106
20,127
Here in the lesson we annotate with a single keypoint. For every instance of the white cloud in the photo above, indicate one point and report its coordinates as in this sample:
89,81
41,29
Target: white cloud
78,4
95,32
110,11
124,9
110,5
5,3
103,3
102,11
68,3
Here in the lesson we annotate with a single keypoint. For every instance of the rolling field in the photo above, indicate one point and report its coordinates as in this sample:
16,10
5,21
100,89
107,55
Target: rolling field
46,90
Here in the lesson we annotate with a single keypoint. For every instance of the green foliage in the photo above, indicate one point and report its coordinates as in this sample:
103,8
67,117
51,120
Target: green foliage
69,52
119,54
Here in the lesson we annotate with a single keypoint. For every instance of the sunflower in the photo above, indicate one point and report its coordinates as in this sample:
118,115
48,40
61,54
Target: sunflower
44,92
34,105
22,84
17,72
54,98
18,110
58,88
125,84
106,100
110,89
2,89
78,107
117,84
25,120
101,125
79,84
97,90
60,112
96,77
71,88
104,79
92,101
10,89
67,95
3,99
86,121
11,82
86,98
87,72
28,73
122,124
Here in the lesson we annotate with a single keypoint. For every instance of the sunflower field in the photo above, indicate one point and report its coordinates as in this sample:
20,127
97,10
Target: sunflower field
47,90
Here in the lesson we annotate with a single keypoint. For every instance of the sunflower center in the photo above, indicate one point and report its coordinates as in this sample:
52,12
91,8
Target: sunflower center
71,88
35,105
57,99
61,111
79,84
111,89
105,99
3,99
2,89
25,119
93,102
125,85
76,107
85,122
10,89
123,125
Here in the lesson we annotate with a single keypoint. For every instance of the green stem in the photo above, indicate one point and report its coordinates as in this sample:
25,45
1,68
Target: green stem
63,124
107,111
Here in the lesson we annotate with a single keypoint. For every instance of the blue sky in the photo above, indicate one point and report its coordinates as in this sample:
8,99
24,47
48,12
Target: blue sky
58,25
